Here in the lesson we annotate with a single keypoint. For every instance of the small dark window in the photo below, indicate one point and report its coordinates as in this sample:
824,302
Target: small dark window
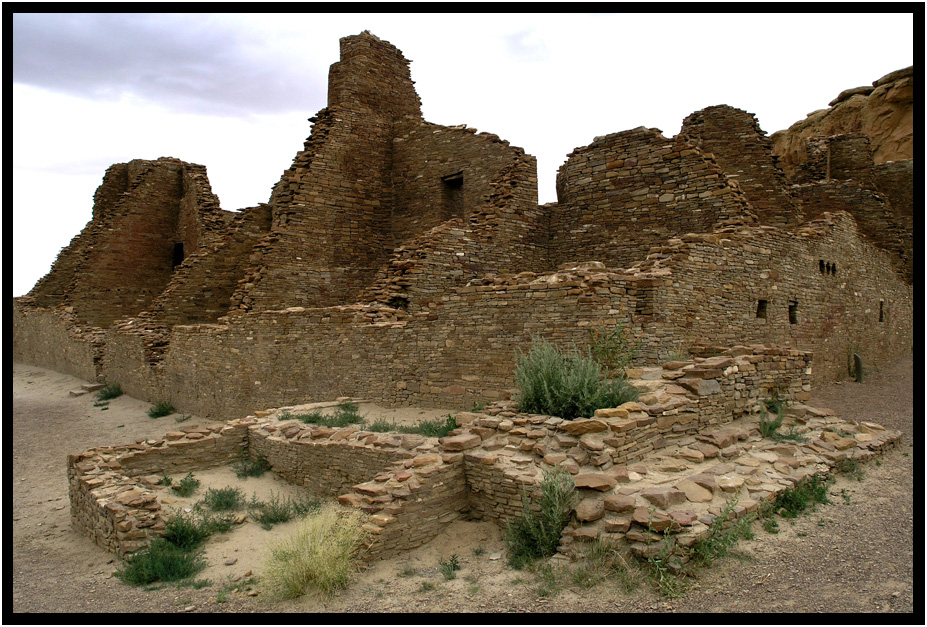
821,265
833,269
453,195
881,311
793,312
178,255
761,308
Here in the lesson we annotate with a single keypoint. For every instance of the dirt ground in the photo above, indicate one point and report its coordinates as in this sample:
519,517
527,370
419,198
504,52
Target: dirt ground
853,555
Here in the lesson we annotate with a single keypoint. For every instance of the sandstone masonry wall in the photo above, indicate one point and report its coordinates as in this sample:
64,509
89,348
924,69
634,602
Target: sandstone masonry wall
631,190
734,138
54,339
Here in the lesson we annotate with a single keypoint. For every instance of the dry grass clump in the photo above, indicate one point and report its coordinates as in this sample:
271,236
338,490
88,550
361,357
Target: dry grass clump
319,556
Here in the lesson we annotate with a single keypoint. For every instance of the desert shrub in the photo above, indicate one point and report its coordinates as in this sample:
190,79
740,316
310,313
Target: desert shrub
277,510
223,499
769,428
793,501
161,408
185,530
187,485
109,391
449,568
536,534
566,384
345,414
160,561
318,556
429,428
248,467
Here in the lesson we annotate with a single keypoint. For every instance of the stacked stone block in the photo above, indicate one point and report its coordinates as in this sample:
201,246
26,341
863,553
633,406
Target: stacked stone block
629,191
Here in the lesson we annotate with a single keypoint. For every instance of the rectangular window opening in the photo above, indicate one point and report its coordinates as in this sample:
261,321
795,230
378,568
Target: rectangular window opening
881,311
793,312
178,255
761,308
452,194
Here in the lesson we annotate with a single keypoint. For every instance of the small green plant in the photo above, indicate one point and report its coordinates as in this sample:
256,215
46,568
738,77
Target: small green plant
278,510
319,555
770,525
109,392
846,496
602,561
165,480
161,408
429,428
550,580
433,428
185,530
663,569
223,499
479,550
536,534
477,407
187,485
427,586
793,501
407,571
613,348
723,534
160,561
567,384
346,414
769,427
248,467
850,467
449,568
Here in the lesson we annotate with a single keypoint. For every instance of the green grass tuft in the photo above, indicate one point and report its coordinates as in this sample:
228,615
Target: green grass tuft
109,391
160,561
161,408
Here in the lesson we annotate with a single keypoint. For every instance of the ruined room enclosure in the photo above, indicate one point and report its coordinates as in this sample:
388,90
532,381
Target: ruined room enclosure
668,463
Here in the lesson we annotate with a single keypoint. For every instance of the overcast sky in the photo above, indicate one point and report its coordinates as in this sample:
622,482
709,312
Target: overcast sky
233,92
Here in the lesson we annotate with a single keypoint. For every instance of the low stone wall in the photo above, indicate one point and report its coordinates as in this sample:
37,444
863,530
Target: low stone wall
673,459
114,489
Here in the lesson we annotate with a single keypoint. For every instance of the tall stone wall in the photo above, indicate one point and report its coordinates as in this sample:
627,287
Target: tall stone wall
148,215
736,141
629,191
201,288
821,288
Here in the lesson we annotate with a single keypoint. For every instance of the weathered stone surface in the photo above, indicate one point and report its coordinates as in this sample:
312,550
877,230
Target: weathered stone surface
590,509
664,497
694,492
460,442
730,483
580,427
615,412
620,503
595,481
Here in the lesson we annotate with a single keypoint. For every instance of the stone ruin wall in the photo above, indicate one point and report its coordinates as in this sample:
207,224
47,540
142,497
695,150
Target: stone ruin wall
124,258
735,140
631,190
441,315
407,482
462,350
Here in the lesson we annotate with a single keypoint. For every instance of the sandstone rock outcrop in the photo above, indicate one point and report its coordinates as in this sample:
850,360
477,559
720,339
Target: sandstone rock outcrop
885,114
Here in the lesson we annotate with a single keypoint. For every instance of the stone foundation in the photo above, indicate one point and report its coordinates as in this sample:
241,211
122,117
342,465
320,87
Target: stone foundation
669,461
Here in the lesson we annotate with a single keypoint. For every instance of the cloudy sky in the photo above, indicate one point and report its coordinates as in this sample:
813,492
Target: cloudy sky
233,92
